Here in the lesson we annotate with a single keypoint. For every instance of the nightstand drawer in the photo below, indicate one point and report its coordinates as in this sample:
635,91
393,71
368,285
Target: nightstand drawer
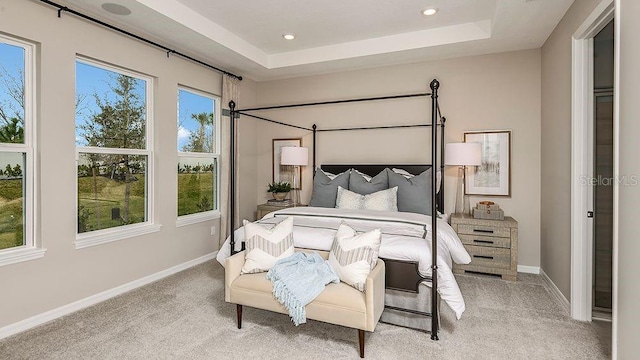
497,231
496,258
492,241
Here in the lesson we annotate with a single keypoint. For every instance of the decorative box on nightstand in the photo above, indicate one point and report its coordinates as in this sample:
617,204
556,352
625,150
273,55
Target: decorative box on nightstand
492,244
264,209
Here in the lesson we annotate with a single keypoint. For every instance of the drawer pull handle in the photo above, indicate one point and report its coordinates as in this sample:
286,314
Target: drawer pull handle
483,241
483,231
483,257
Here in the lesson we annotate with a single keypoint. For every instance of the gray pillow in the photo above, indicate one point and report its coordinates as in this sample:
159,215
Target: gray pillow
358,184
414,194
325,190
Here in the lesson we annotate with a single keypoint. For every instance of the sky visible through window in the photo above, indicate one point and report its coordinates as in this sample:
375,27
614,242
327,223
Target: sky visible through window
92,81
12,65
190,103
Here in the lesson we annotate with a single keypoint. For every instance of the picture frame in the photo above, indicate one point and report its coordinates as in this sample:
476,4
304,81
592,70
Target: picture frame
284,172
493,177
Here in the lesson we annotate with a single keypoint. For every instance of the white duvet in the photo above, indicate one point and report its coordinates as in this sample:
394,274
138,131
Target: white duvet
405,236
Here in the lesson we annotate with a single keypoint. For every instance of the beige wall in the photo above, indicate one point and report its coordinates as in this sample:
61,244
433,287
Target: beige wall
65,274
248,145
500,91
628,299
555,225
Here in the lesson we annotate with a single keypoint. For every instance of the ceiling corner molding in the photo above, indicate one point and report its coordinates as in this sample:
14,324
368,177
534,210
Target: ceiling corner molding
387,44
184,15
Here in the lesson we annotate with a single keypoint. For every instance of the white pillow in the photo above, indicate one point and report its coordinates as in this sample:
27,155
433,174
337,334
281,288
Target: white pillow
266,246
385,200
408,175
354,255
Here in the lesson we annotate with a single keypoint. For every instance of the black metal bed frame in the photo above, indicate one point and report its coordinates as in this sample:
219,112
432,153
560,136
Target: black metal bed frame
435,205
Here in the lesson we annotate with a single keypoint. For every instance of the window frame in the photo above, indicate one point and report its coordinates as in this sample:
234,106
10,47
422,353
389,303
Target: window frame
203,216
31,249
102,236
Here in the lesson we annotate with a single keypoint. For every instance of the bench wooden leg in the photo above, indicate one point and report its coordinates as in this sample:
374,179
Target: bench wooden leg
361,340
239,314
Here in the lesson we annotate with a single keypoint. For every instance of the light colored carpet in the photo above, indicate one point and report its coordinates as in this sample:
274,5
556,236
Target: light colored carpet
185,317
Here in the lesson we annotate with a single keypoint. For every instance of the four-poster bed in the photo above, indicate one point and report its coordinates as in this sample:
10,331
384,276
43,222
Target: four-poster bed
400,275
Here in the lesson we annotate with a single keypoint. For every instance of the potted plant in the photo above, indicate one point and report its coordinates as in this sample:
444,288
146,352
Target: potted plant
279,190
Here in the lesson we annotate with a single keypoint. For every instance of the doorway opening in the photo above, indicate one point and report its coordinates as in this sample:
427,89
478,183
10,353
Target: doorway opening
602,192
592,106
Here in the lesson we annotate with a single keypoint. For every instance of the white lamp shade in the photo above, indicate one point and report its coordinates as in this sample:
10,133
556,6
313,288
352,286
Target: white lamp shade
463,154
294,155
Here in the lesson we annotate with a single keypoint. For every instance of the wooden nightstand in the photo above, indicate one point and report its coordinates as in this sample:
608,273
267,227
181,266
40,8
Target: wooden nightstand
264,209
492,244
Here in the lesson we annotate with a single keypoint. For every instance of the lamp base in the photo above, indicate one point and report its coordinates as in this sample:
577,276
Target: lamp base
462,201
466,206
295,192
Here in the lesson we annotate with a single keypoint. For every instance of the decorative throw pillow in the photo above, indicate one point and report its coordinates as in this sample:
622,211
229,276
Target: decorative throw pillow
385,200
363,185
408,175
325,189
414,194
266,246
365,176
329,175
354,255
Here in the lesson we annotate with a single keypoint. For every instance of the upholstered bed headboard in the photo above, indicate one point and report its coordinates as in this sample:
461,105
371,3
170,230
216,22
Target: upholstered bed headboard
374,169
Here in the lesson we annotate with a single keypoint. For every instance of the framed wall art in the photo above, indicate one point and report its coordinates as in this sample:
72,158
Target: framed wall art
493,177
284,172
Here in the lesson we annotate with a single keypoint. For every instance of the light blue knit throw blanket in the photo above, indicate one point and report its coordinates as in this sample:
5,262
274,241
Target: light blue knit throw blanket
298,279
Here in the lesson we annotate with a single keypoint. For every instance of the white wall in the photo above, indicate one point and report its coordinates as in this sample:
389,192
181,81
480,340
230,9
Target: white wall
491,92
627,302
65,274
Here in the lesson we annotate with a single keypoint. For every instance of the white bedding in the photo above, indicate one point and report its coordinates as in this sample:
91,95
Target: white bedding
405,236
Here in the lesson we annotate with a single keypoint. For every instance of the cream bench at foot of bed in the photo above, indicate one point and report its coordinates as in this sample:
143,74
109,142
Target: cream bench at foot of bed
338,304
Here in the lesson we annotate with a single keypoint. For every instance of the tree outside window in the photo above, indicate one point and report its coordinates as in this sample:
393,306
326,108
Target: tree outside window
197,152
16,202
112,145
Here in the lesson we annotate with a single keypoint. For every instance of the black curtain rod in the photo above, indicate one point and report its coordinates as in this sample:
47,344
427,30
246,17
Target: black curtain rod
336,102
379,127
272,121
169,51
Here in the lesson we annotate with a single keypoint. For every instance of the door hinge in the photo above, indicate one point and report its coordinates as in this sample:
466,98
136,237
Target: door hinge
589,214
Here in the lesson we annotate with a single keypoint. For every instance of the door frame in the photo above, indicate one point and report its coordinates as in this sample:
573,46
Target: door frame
581,159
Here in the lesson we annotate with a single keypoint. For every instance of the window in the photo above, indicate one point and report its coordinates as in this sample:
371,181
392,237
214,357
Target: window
113,144
198,153
17,168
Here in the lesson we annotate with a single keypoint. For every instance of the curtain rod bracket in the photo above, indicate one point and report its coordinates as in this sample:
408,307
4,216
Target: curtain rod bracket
60,10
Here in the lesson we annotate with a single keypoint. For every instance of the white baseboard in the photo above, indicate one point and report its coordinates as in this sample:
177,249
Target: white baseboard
40,319
556,292
529,269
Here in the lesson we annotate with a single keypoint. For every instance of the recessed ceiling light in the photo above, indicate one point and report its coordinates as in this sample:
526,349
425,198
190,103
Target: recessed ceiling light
429,11
116,9
288,36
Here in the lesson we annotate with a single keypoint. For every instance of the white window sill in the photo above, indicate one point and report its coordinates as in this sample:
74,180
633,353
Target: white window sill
105,236
12,256
197,218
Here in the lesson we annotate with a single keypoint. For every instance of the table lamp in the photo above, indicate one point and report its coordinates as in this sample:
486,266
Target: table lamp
462,155
295,156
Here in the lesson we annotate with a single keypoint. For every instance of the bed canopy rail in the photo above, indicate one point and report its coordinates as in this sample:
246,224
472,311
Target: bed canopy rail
332,102
436,120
